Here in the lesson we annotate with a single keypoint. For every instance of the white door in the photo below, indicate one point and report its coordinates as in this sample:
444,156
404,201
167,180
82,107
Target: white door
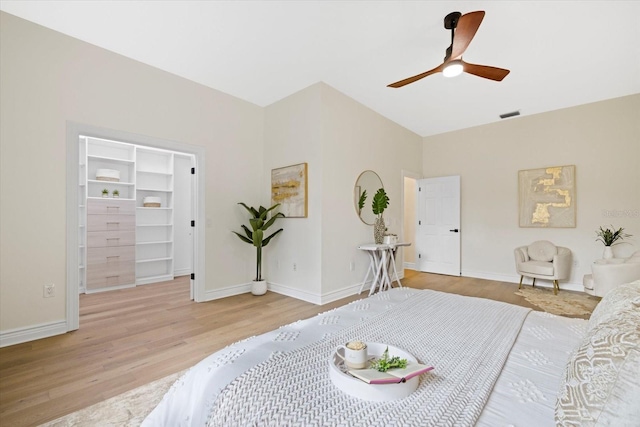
438,230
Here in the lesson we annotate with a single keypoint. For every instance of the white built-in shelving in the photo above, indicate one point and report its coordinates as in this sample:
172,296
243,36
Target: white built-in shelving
154,225
143,172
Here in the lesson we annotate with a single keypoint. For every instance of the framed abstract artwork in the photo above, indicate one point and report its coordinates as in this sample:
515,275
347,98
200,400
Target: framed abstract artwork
547,197
289,188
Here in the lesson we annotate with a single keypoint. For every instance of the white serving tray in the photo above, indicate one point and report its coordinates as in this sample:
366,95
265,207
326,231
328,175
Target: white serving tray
374,392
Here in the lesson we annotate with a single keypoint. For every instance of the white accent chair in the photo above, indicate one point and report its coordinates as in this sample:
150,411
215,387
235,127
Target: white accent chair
543,260
608,274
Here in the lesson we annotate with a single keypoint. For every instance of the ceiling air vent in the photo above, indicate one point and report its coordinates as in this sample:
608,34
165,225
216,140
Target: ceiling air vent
511,114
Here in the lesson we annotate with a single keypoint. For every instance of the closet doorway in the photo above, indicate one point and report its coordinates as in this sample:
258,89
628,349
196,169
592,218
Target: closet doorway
137,202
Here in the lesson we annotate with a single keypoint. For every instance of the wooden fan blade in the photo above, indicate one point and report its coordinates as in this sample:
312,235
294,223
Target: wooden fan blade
416,78
465,30
492,73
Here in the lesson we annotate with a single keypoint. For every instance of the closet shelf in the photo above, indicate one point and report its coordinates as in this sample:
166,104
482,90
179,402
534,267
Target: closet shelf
110,159
156,189
141,261
154,209
154,172
154,225
157,242
97,181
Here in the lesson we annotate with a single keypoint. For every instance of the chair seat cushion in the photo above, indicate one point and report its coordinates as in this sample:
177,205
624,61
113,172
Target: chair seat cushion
542,250
537,267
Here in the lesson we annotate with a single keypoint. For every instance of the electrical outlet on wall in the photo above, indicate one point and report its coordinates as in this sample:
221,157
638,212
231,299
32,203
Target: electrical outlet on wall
49,290
295,267
352,266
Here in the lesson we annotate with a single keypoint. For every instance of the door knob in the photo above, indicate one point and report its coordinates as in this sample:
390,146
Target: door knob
455,230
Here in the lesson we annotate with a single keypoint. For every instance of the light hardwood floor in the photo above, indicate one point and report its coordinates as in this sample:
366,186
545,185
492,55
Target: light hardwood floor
130,337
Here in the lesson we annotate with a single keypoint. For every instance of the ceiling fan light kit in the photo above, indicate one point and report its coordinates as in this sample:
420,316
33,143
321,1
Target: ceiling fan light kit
452,69
463,29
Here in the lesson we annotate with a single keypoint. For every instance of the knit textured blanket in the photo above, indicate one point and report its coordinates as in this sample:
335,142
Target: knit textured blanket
467,340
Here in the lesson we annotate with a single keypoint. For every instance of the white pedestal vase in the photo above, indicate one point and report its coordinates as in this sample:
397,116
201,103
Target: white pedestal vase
608,252
259,287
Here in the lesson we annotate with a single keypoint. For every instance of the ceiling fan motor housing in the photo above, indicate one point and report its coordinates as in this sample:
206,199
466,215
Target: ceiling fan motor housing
451,20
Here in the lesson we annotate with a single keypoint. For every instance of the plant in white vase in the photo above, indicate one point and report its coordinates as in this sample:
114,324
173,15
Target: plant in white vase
116,194
255,236
610,237
105,193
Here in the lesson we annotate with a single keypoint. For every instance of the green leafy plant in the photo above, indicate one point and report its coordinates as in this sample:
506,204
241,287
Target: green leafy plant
610,236
255,235
363,198
116,193
105,192
380,202
384,363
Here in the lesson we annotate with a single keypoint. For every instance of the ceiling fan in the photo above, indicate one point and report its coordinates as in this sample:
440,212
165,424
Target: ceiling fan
463,28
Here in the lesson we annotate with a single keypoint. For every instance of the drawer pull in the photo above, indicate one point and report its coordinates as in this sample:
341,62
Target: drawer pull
113,238
113,222
113,256
111,277
113,207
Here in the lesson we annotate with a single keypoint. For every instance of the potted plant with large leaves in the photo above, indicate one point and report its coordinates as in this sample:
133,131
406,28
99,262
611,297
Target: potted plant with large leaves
378,205
256,237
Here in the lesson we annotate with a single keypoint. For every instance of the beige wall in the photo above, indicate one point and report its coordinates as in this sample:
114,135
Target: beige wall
338,138
601,139
47,79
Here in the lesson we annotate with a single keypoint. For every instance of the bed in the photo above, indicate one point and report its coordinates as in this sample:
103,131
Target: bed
495,364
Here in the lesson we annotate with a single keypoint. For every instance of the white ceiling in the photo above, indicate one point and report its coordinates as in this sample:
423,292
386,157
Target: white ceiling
560,53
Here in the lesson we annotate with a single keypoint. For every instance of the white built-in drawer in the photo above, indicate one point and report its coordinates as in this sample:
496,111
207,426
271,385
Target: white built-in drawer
110,266
111,222
126,276
111,206
110,255
96,239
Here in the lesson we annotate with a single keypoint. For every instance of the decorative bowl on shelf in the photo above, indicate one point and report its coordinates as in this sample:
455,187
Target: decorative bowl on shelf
351,385
108,175
151,202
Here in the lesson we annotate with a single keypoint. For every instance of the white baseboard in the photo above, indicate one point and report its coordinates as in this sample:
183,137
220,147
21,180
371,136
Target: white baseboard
514,278
182,272
410,265
31,333
228,291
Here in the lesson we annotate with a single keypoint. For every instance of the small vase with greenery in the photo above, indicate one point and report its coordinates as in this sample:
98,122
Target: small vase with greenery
105,193
116,193
610,237
256,237
379,204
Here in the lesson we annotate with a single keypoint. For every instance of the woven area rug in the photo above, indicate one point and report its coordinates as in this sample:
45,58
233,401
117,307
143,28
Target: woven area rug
127,409
563,304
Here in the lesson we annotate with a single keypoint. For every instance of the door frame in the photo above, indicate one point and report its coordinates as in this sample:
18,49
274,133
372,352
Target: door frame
74,130
415,176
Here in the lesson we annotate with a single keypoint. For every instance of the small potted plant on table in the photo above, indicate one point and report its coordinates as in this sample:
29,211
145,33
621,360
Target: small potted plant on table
105,193
610,237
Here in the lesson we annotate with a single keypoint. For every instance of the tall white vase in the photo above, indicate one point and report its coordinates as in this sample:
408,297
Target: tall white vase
608,252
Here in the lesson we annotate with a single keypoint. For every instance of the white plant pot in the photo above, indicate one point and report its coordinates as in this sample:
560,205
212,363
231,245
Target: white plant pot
608,252
259,287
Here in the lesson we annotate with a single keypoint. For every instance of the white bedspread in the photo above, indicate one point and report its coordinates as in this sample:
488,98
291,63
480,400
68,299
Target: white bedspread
190,400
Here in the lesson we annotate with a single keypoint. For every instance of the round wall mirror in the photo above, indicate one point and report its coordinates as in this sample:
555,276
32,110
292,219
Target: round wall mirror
370,182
